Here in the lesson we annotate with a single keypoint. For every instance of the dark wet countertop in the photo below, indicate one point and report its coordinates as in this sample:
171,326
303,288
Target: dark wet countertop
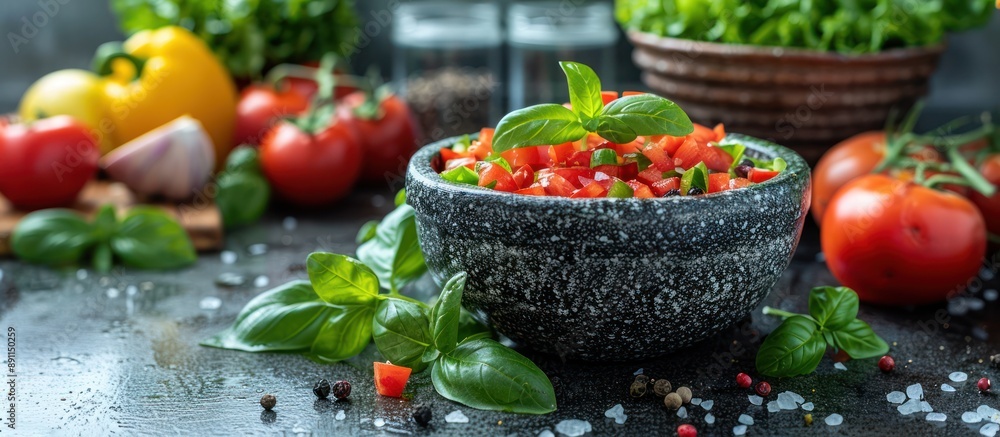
118,354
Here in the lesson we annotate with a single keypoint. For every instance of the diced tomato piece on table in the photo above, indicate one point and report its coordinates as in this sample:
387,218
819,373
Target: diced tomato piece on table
640,189
650,175
556,185
489,173
609,96
534,190
718,182
661,187
759,175
592,190
390,379
524,176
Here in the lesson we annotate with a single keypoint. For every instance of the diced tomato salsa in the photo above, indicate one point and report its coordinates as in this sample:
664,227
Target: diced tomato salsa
652,166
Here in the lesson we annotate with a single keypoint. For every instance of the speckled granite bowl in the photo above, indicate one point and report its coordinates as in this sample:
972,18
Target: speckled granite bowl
611,279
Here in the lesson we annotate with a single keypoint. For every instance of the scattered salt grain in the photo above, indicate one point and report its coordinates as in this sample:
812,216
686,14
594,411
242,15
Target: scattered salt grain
834,419
289,223
380,422
989,429
796,397
81,274
131,290
573,427
915,391
340,415
756,400
991,295
839,366
682,413
695,401
958,376
909,407
739,430
745,419
975,304
773,407
546,433
989,413
257,249
936,417
808,406
707,405
947,388
710,418
896,397
617,412
786,401
112,293
970,417
261,281
456,417
926,407
227,256
210,303
638,372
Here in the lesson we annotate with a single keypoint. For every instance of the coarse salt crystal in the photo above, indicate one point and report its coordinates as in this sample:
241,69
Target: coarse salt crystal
834,419
617,412
958,376
970,417
795,397
786,401
896,397
773,407
340,415
707,405
947,388
546,433
909,407
745,419
936,417
709,418
808,406
926,407
739,430
989,429
638,372
839,366
456,417
380,422
682,413
915,391
573,427
756,400
227,256
695,401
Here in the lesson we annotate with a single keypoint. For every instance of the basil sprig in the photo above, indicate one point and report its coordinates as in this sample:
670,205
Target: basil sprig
146,238
393,251
798,344
243,191
621,121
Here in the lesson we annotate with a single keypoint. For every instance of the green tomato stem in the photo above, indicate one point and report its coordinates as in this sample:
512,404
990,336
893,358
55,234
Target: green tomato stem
776,312
969,173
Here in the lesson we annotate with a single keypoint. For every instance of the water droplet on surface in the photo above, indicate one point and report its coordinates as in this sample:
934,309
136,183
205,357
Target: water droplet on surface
210,303
289,224
456,417
380,422
739,430
257,249
112,293
745,419
227,257
230,279
80,274
834,419
756,400
574,427
958,376
991,295
261,281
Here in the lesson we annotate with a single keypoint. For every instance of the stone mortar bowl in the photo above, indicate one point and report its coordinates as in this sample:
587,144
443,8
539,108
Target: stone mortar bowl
610,279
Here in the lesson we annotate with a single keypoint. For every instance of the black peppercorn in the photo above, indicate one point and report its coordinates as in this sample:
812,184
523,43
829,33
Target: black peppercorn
322,389
268,401
747,163
662,387
341,389
743,170
694,191
422,415
637,389
671,193
642,378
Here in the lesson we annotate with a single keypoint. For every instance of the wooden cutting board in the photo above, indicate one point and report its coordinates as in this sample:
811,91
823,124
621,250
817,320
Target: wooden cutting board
203,223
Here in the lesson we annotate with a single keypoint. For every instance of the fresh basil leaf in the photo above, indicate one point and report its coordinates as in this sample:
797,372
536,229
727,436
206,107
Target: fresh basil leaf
345,334
394,254
615,130
498,160
736,151
242,197
243,159
286,318
536,126
342,280
487,375
446,314
461,175
696,176
794,348
102,257
639,159
52,237
400,197
833,307
402,333
148,238
603,157
620,190
648,114
105,222
859,340
367,231
584,90
462,145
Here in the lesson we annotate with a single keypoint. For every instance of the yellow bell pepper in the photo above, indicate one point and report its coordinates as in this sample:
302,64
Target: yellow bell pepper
77,93
169,73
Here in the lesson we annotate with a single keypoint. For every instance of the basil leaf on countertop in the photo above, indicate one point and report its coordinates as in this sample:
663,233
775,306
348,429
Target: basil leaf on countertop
286,318
148,238
584,90
537,125
859,340
446,313
242,198
648,114
487,375
341,280
794,348
401,332
52,237
394,254
833,307
345,334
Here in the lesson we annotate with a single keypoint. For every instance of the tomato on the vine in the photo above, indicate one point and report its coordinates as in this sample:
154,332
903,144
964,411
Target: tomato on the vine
261,107
387,131
844,162
897,242
311,169
989,206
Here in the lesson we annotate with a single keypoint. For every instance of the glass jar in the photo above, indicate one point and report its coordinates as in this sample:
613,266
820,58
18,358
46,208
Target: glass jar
543,33
447,63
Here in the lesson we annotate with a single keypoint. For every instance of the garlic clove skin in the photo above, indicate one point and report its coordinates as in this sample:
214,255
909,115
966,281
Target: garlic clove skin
174,160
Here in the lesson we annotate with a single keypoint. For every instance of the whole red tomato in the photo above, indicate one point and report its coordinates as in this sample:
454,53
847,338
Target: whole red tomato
311,169
46,163
897,242
260,107
989,206
844,162
388,134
